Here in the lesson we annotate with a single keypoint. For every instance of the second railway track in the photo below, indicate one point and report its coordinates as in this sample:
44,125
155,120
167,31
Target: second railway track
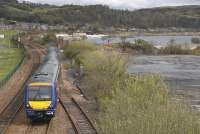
79,120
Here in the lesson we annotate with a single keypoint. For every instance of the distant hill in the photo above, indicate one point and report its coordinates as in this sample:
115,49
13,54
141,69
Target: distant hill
8,1
98,15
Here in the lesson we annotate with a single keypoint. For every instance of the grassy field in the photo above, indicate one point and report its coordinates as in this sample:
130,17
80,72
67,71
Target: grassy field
8,35
9,58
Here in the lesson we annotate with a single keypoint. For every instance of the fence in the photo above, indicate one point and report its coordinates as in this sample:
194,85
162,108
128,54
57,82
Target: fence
12,72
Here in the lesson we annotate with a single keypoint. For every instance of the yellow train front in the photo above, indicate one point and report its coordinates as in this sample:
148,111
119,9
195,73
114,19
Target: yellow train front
41,92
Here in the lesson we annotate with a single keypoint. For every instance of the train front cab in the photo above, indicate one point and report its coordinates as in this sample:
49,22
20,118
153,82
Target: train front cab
40,100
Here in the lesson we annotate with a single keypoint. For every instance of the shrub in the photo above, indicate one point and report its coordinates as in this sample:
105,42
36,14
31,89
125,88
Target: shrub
141,105
196,51
174,49
140,46
78,47
75,50
102,69
195,40
48,38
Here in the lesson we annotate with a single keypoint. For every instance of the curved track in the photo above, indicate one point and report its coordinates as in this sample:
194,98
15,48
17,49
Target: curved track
16,104
70,118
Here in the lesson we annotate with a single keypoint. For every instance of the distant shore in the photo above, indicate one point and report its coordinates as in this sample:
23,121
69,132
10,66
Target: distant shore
156,34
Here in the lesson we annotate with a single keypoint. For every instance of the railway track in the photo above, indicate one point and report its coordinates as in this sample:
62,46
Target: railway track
40,49
80,122
81,91
16,104
9,113
78,119
38,127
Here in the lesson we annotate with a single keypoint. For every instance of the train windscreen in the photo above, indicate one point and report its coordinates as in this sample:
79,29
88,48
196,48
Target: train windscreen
39,93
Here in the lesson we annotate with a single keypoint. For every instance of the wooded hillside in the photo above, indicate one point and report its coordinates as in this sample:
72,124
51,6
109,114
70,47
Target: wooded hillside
186,16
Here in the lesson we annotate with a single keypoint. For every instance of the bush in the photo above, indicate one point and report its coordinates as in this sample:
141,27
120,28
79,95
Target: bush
102,69
74,51
140,46
141,105
174,49
196,51
48,38
78,47
195,40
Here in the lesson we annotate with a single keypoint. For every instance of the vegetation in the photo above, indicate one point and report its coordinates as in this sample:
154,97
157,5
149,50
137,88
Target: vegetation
196,51
9,58
132,104
195,40
7,41
48,38
8,1
102,70
95,17
141,105
11,55
42,38
175,49
75,51
140,46
143,47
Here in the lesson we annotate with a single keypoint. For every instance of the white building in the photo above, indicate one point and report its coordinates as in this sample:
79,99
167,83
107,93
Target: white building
58,36
80,35
64,37
2,36
73,37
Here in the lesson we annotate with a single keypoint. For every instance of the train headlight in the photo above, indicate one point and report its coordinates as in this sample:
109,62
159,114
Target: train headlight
51,105
28,106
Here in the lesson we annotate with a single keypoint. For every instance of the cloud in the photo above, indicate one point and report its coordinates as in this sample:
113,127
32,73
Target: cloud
123,4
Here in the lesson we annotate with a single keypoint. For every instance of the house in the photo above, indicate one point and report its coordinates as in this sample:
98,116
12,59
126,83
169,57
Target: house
63,36
2,36
79,35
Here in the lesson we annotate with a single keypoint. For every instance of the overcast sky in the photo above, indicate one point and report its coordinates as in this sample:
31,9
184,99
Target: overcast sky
123,4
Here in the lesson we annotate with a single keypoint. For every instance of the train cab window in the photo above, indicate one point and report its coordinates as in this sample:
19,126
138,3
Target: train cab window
39,93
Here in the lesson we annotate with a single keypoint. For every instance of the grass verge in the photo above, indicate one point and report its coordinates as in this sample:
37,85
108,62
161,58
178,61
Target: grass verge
142,105
8,35
9,58
175,50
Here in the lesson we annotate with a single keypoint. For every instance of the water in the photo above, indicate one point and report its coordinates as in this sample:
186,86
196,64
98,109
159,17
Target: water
183,69
181,72
155,40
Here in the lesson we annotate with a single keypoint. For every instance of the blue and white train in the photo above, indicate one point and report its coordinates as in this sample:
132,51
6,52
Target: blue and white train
41,92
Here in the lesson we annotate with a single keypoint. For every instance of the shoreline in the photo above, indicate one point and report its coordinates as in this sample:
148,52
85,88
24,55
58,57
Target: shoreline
156,34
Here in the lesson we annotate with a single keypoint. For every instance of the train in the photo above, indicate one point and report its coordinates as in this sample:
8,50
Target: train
41,91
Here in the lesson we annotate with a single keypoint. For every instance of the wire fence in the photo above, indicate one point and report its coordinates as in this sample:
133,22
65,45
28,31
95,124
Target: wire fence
12,72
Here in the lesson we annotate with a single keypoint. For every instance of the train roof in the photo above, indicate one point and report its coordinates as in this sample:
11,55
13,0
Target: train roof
48,71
